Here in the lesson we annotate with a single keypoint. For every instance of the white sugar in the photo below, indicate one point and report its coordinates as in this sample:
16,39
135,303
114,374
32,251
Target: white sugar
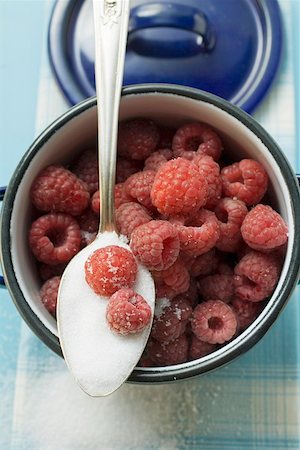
99,359
160,305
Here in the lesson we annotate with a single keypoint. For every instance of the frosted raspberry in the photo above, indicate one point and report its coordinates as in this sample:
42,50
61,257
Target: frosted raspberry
138,186
47,271
56,189
155,244
129,216
126,168
54,238
95,203
127,312
214,322
157,159
200,348
178,188
121,196
191,295
210,170
205,264
231,214
246,312
172,281
48,294
246,180
196,137
170,319
166,135
168,353
137,138
216,286
86,168
256,276
200,234
109,269
264,229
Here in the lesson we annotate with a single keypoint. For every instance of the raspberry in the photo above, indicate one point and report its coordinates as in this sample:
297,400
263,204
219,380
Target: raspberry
264,229
54,238
210,170
216,286
246,180
127,312
137,138
120,196
157,159
138,186
172,281
88,221
109,269
214,322
129,216
95,203
178,188
47,271
86,168
246,312
168,353
48,294
166,135
191,295
56,189
155,244
170,319
204,264
196,137
224,269
256,275
201,233
231,214
200,348
125,168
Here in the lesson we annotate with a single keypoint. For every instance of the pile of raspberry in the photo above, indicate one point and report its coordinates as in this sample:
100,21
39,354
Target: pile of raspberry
198,221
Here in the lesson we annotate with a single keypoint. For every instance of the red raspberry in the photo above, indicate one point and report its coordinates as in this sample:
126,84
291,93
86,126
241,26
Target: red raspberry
155,244
47,271
216,286
200,234
224,268
166,135
231,214
157,159
204,264
191,295
127,312
178,188
170,319
200,348
246,312
138,186
56,189
48,294
88,221
86,168
126,168
172,281
214,322
137,138
95,203
109,269
168,353
54,238
120,196
210,170
196,137
246,180
264,229
256,276
129,216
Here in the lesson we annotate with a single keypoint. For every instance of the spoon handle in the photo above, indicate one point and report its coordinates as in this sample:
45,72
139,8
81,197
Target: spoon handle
111,27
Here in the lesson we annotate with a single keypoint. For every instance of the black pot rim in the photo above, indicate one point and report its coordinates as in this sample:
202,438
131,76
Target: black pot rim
230,351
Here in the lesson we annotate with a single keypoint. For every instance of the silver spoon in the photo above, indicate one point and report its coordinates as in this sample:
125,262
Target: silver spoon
100,360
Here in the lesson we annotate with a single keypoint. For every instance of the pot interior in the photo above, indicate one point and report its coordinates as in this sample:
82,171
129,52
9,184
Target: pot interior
61,144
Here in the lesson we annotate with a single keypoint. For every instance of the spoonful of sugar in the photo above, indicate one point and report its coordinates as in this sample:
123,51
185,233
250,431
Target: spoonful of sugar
106,297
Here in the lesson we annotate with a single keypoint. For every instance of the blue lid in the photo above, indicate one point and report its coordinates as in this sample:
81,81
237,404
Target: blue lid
229,48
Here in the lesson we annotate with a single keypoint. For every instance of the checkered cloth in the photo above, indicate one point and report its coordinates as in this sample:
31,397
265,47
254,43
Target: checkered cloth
253,403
